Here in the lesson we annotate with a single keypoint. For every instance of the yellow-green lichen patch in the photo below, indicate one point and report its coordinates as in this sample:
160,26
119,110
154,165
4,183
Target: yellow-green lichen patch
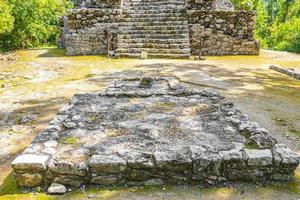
116,132
163,106
70,140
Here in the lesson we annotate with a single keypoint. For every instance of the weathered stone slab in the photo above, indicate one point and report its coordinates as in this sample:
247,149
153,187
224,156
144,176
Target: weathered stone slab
56,188
32,162
107,164
288,71
105,180
172,161
152,131
259,157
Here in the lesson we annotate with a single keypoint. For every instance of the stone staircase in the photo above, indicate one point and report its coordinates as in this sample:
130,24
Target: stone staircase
158,27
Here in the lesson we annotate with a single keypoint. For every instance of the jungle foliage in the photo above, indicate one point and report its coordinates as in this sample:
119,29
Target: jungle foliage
278,22
29,23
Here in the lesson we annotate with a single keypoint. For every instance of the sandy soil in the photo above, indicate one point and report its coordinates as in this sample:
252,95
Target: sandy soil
40,82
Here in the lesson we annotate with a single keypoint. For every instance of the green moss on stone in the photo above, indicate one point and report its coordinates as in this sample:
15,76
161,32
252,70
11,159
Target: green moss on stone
164,106
251,145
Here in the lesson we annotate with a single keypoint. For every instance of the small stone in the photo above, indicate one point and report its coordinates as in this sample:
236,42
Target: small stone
70,125
91,196
154,182
56,188
174,84
51,143
284,155
105,180
146,82
28,118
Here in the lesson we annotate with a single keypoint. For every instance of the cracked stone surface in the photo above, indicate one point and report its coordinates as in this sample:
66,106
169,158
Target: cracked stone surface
152,131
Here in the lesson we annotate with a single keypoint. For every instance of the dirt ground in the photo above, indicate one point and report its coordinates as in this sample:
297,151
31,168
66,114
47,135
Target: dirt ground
40,82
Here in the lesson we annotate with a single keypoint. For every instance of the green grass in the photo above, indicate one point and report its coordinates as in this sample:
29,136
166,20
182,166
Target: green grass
251,145
9,186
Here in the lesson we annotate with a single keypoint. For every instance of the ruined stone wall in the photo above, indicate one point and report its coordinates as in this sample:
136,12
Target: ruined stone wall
199,4
87,31
215,32
209,5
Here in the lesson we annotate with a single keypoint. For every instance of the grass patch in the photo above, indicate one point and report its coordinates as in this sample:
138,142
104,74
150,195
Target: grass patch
251,145
27,197
9,186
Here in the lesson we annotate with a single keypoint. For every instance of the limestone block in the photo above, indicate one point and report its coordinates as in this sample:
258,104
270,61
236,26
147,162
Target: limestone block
107,164
29,180
285,157
172,161
30,162
259,157
105,180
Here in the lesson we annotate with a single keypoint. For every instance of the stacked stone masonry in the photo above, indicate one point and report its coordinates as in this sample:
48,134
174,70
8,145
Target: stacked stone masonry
152,131
162,28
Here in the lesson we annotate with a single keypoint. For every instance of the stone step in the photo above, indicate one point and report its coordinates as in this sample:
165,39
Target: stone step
144,15
153,28
157,3
155,55
154,45
158,27
159,31
154,40
152,1
153,19
153,11
133,4
153,7
156,23
153,36
153,50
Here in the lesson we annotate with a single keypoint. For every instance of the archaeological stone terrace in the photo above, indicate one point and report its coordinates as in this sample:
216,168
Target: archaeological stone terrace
159,28
152,131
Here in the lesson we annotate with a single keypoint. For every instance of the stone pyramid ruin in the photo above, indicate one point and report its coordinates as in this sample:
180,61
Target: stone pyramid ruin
158,28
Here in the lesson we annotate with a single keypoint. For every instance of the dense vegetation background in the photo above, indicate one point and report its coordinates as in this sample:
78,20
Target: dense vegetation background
29,23
33,23
278,22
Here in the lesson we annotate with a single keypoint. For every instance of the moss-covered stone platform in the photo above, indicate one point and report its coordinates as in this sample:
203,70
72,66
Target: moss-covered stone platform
152,131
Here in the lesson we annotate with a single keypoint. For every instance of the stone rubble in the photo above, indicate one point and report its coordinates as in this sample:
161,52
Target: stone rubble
152,131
